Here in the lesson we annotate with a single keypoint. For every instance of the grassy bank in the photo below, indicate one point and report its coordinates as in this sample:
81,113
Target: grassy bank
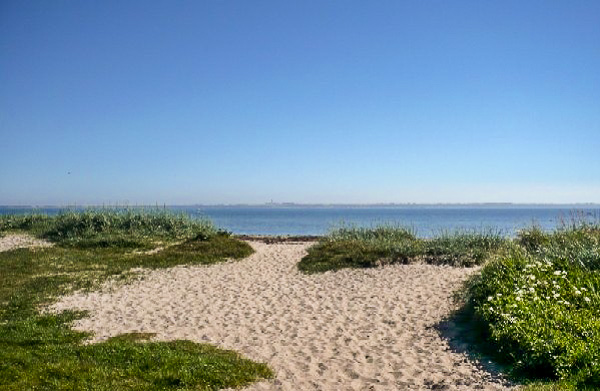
370,247
133,228
539,305
40,351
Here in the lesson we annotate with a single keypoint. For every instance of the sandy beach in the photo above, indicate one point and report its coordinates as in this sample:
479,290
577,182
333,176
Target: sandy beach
14,241
370,329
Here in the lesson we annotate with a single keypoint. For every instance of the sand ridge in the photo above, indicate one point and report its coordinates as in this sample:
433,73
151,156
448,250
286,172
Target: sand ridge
369,329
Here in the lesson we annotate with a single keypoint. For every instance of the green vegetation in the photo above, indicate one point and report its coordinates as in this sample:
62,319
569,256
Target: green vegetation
535,304
539,304
133,228
40,351
369,247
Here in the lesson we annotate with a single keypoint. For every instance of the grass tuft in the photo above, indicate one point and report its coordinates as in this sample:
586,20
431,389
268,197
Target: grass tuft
370,247
125,228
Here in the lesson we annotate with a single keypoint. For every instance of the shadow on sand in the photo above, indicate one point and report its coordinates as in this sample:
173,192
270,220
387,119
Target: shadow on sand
465,337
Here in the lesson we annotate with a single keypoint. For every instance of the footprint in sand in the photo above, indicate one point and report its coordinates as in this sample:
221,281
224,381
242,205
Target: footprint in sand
367,329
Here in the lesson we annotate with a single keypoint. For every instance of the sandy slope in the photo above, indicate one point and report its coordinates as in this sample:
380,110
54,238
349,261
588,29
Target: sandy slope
13,241
349,330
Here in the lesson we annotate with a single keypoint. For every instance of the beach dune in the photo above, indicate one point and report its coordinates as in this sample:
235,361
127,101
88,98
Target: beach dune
368,329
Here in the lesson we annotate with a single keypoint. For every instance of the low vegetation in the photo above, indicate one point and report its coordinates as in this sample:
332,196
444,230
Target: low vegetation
535,304
133,228
370,247
40,351
538,303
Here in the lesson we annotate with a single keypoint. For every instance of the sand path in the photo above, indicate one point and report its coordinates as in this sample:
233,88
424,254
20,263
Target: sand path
370,329
14,241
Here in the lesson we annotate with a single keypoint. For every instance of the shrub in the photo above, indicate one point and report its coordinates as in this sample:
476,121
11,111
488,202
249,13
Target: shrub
541,305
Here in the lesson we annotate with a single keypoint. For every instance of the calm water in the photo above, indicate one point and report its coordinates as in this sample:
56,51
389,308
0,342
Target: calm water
426,220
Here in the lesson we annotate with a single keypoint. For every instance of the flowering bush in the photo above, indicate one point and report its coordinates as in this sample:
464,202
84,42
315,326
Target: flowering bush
541,306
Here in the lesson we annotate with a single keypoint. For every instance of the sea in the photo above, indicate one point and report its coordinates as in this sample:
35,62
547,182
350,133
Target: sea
424,220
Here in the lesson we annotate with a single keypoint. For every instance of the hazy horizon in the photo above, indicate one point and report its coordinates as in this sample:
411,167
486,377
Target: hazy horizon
342,102
293,204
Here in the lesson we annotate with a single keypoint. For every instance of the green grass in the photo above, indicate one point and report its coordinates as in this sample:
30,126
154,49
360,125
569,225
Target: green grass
133,228
555,386
369,247
40,351
535,304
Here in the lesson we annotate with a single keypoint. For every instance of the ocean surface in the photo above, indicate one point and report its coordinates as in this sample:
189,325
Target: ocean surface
426,220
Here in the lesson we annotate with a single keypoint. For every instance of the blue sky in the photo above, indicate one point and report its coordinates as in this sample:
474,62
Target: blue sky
313,101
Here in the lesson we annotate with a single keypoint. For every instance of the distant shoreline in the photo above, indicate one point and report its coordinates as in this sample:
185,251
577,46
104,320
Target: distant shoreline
299,205
274,239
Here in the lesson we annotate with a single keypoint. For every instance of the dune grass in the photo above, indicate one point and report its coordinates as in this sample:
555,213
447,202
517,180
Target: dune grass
40,351
133,228
369,247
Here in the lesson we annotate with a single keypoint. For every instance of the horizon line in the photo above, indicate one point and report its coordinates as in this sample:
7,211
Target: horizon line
294,204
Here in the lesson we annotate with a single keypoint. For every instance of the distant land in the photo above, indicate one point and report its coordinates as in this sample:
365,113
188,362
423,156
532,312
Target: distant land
309,205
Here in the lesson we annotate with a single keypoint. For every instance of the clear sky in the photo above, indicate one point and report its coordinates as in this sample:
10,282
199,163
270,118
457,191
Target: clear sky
310,101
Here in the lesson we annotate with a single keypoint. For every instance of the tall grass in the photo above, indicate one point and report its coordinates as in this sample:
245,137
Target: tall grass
368,247
110,227
380,234
463,248
33,223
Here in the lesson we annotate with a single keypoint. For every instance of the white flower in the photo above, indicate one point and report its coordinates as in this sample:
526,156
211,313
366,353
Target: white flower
587,299
557,273
556,295
490,298
577,292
